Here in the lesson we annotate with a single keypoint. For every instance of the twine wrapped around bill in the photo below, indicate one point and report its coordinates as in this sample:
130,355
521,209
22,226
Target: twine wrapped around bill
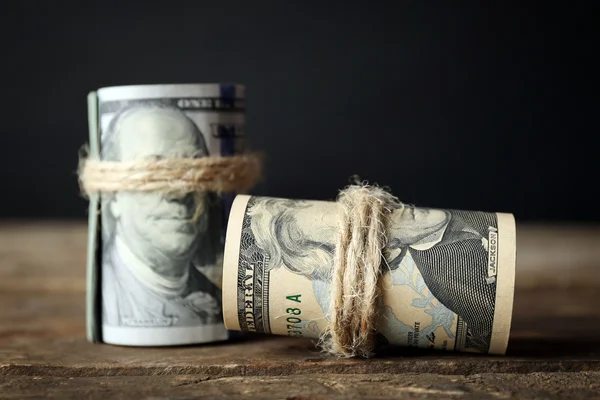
173,176
358,260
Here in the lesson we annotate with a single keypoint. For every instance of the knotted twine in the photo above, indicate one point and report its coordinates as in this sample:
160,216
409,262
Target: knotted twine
358,264
172,176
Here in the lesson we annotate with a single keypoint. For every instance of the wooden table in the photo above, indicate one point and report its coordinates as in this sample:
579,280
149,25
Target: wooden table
554,349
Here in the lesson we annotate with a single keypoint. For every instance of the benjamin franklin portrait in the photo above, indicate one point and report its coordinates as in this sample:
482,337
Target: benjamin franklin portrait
448,247
153,247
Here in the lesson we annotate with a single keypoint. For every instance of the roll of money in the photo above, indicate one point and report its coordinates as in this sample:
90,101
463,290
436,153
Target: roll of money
447,281
154,267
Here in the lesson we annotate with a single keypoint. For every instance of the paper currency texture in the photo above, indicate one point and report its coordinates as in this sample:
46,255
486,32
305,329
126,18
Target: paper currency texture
447,283
160,269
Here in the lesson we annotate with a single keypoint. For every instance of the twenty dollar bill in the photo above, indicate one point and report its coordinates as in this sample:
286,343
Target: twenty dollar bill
447,283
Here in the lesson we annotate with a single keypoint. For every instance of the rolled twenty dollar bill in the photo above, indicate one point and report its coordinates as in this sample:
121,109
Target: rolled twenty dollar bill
154,269
447,281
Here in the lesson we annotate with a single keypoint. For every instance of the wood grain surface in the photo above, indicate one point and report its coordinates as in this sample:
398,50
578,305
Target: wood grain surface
554,348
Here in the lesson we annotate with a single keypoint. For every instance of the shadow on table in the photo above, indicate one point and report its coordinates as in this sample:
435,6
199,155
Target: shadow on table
521,348
554,348
517,348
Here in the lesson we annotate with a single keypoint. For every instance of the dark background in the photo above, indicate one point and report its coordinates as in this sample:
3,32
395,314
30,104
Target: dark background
476,105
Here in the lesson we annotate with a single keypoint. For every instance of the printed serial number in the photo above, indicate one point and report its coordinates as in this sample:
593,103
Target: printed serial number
293,317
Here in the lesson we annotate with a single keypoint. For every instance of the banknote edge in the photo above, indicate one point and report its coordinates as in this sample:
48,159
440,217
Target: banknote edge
505,289
164,336
230,261
93,323
159,91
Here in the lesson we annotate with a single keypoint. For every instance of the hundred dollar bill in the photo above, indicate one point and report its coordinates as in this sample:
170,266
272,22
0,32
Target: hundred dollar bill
154,272
448,283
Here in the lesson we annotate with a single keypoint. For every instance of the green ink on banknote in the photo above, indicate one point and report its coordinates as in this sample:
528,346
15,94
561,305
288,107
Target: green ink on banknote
295,298
294,330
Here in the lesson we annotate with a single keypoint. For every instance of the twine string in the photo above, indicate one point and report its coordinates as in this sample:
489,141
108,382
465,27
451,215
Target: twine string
357,268
172,176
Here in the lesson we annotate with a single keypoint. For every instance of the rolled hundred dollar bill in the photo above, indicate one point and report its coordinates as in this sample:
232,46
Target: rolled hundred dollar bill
155,277
447,281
